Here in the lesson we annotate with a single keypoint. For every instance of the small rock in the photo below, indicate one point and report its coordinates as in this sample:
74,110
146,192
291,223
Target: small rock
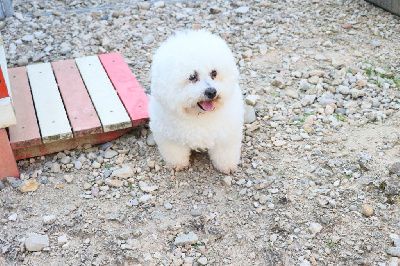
68,178
86,186
367,210
62,239
394,169
252,99
315,228
292,93
13,217
167,205
110,154
186,239
145,198
78,165
159,4
36,242
115,183
124,172
394,261
375,43
14,182
55,168
96,165
66,160
249,114
150,140
49,219
202,260
2,185
393,251
29,186
65,48
227,181
28,38
147,188
148,39
242,10
277,82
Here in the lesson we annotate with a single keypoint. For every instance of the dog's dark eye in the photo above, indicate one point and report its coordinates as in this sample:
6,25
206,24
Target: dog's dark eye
213,74
194,77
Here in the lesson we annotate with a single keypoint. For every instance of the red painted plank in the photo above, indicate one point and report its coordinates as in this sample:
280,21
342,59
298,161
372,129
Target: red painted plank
80,110
26,131
8,165
128,88
3,86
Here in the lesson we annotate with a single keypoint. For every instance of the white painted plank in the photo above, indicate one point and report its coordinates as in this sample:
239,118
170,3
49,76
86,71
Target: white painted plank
109,107
53,120
7,116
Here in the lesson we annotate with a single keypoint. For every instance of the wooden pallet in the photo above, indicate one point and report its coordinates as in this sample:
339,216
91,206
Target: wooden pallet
69,103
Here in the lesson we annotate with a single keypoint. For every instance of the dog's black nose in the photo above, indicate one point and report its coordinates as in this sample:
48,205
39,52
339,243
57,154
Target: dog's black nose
210,93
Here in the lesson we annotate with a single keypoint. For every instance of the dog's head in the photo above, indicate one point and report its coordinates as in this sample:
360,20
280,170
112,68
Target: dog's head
193,73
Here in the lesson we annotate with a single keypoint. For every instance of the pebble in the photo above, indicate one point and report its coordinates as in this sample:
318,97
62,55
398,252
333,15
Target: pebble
242,10
202,260
14,182
228,180
68,178
78,165
315,228
393,251
249,114
36,242
167,205
55,168
62,239
367,210
123,172
394,169
115,183
292,93
252,99
96,165
110,154
66,160
29,186
150,140
147,188
13,217
2,185
49,219
186,239
148,39
145,198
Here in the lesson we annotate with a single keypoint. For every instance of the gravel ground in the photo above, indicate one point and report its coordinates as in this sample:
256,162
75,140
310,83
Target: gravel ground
319,180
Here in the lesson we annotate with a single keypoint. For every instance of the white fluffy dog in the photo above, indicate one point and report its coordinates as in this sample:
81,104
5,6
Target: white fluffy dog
196,102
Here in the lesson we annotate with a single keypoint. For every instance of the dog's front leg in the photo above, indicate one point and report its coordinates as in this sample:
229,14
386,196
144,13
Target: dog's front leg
176,155
225,157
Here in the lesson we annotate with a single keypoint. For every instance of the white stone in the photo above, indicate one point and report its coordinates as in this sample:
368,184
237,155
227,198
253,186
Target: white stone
36,242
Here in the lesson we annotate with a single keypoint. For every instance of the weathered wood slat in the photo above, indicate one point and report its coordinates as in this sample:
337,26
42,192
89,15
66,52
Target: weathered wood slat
109,108
8,166
128,88
80,110
26,131
7,116
53,120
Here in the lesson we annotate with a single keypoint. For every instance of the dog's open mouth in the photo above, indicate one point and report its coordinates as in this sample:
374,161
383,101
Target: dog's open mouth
206,105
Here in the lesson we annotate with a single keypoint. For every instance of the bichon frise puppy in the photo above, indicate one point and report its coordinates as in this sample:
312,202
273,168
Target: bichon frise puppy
196,102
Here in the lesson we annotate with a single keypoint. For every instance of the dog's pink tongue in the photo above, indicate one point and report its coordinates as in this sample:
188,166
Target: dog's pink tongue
207,105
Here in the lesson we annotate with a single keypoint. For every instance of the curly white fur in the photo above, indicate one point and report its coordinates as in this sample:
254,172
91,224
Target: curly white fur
179,124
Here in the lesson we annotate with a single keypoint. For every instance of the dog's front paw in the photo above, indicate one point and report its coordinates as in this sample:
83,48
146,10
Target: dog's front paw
226,169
